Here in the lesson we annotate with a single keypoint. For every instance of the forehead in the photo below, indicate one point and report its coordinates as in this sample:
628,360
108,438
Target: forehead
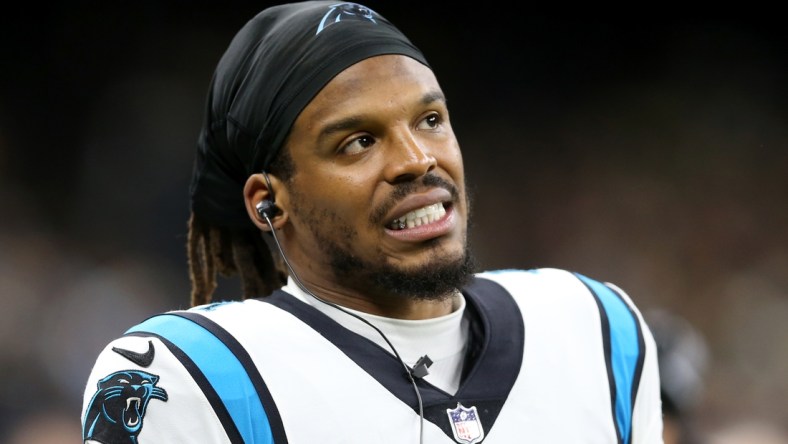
376,83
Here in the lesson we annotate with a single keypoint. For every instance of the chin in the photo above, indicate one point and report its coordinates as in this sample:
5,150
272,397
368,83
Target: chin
433,275
435,270
435,279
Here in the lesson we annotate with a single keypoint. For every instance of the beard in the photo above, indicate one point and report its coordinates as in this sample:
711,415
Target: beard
437,279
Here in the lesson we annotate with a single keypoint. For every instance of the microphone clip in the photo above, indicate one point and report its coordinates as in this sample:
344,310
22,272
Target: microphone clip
420,369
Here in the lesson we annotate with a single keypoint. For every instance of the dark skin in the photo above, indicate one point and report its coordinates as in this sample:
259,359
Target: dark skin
374,145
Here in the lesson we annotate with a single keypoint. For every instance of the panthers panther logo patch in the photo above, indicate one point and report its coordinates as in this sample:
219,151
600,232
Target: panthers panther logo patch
345,11
115,413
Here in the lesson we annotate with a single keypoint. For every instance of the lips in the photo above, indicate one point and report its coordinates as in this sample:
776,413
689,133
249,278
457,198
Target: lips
420,210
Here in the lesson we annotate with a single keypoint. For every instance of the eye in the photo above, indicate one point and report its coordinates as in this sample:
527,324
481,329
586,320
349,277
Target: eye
357,145
123,381
431,122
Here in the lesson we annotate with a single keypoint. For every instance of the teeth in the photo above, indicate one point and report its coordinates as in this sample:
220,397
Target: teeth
133,399
418,217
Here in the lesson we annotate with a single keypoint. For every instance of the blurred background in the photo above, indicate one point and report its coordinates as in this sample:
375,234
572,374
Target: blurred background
649,152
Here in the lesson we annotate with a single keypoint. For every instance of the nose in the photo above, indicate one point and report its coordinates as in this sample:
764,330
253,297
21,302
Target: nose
408,159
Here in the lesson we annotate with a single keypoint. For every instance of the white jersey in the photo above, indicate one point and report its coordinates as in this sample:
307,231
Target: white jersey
553,357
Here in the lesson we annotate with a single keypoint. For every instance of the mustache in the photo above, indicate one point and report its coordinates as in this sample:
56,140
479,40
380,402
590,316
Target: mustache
402,190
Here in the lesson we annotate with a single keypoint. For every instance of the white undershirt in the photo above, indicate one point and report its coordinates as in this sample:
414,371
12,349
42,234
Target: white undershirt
444,339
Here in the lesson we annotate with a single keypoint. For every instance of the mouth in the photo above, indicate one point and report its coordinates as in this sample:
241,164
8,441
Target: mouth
418,217
132,410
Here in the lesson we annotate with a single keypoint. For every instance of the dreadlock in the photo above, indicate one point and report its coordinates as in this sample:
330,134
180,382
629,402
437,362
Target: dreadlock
213,250
229,252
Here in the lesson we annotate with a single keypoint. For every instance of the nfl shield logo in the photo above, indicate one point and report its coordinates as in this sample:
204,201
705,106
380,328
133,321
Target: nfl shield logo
465,424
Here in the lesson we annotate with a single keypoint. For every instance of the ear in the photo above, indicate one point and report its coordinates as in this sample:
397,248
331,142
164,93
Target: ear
255,191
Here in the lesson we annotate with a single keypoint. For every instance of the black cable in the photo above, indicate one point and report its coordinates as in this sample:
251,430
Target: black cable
408,371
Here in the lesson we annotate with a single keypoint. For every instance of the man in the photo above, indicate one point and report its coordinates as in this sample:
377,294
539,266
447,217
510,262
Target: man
327,138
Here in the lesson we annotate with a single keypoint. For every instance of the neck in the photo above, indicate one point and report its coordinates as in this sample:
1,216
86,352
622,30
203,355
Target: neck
380,304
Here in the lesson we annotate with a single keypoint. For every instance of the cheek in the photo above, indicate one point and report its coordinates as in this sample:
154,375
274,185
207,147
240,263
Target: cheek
343,195
458,165
453,165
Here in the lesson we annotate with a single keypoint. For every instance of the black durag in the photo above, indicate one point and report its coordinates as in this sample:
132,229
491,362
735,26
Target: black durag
275,65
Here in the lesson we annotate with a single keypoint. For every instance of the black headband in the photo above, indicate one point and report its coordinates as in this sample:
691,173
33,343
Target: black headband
274,66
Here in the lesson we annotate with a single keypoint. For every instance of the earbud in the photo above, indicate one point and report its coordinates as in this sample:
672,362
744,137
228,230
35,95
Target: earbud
266,209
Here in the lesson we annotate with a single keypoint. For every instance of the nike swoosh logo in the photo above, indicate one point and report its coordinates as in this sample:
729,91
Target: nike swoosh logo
141,359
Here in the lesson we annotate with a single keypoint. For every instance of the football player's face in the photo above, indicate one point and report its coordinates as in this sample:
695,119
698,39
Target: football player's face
379,181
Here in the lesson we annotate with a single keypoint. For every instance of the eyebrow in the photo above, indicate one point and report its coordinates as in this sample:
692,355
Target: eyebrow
432,97
339,126
354,121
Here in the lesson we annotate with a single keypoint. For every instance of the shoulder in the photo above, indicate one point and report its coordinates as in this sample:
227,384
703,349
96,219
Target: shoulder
139,380
517,276
559,286
162,366
541,276
537,281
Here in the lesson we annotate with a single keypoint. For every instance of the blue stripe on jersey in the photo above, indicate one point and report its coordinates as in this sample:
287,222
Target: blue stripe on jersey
624,353
222,369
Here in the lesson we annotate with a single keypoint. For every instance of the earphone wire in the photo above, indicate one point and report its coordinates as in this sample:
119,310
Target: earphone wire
298,282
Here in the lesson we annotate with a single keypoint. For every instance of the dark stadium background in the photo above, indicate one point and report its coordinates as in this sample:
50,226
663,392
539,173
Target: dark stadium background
649,152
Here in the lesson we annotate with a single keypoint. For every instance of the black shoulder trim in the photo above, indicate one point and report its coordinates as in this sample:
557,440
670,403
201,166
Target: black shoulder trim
199,377
624,350
611,379
271,410
378,362
641,356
